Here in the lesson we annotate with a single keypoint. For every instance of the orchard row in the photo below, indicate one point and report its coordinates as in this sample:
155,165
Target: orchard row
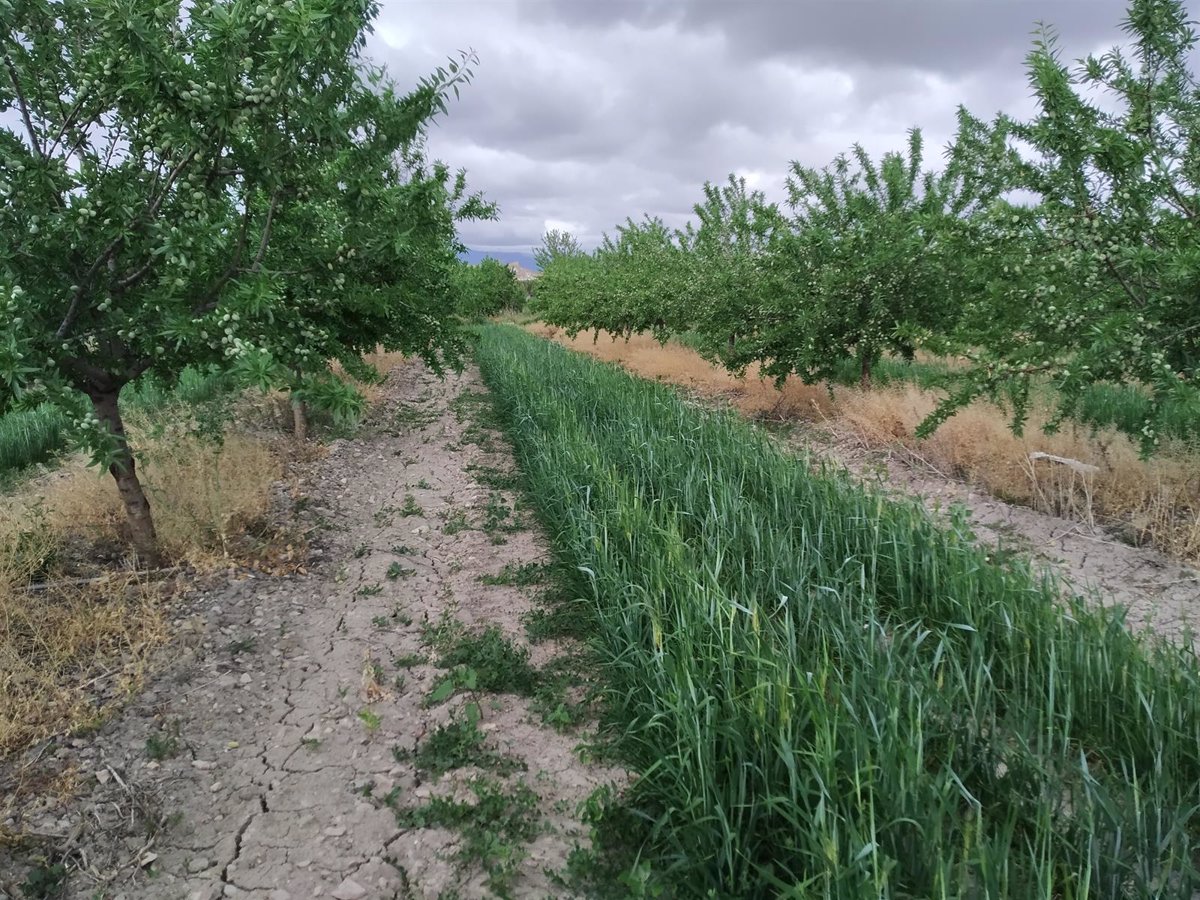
1062,249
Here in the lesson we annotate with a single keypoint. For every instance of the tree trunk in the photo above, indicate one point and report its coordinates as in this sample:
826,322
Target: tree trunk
124,472
864,376
299,420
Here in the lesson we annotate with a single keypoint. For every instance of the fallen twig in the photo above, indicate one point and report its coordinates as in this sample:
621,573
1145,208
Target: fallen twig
148,575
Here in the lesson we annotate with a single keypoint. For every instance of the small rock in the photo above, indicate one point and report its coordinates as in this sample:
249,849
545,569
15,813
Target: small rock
279,894
103,776
215,786
198,865
349,890
203,764
335,830
245,679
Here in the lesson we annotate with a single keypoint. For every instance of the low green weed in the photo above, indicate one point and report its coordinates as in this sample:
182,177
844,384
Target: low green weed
457,744
494,829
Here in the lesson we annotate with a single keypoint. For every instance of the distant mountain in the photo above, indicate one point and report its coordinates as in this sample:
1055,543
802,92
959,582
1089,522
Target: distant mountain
525,259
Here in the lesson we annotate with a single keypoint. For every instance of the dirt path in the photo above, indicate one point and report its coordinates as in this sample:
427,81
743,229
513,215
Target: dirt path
281,754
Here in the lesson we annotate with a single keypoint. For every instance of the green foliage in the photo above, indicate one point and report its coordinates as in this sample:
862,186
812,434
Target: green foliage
500,666
165,743
494,827
486,289
37,435
395,570
634,282
556,245
1058,250
29,436
517,574
226,183
45,881
827,693
457,744
1093,282
370,719
729,276
864,269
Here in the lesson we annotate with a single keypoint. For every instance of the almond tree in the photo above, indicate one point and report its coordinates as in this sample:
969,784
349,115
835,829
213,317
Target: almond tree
636,281
149,151
864,268
730,250
365,259
555,245
486,289
1091,267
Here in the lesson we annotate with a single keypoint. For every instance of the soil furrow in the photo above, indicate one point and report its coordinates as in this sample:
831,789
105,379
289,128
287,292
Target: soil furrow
306,697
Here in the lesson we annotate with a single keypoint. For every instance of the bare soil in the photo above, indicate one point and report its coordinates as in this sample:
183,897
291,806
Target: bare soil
270,756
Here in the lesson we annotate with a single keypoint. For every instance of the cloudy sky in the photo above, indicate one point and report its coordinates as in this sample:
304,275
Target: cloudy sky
584,112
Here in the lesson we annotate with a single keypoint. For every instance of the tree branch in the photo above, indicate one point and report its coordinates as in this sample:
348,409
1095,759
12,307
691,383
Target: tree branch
114,246
12,77
135,277
88,372
1116,273
67,123
211,304
84,283
266,235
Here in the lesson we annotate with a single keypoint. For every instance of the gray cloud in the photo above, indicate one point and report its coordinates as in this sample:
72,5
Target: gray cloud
583,113
934,35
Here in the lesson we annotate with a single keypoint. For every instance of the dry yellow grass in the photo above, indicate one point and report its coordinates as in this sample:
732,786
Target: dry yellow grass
1155,502
69,652
674,364
201,494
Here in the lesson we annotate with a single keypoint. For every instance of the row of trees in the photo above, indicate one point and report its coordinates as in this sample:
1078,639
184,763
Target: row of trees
1062,248
219,183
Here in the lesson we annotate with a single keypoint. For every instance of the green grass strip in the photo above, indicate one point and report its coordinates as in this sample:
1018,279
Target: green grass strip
827,693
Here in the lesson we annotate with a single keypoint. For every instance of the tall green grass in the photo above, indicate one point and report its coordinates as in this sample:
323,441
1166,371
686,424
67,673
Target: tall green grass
827,694
37,435
30,436
1127,407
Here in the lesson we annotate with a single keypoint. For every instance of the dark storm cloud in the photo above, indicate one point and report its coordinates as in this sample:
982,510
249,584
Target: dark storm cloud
583,113
950,36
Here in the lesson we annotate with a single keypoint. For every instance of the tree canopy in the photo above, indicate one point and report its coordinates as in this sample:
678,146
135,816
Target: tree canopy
219,181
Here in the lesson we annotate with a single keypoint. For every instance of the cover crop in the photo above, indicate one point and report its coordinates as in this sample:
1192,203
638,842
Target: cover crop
827,693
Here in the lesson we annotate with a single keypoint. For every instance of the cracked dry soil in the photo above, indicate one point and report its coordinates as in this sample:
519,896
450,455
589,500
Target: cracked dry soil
278,720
